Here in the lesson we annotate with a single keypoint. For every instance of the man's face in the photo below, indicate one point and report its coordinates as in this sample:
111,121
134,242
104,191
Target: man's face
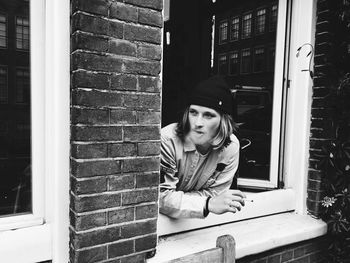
204,124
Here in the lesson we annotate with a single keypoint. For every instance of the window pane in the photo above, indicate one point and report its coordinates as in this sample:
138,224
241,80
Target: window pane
22,33
251,75
247,26
234,29
259,60
260,21
223,64
234,63
223,31
3,31
273,17
15,114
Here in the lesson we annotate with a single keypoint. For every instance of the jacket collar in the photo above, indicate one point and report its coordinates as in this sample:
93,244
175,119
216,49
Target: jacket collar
189,145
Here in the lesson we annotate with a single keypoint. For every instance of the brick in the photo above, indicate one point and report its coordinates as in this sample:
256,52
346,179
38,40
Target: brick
91,203
87,79
96,237
137,133
96,62
149,51
89,42
121,249
138,229
313,207
148,148
99,7
142,33
320,113
89,116
139,196
141,165
116,29
94,98
155,4
95,185
124,82
95,168
95,254
89,150
123,117
142,101
150,17
147,180
123,12
315,175
286,255
117,183
91,24
96,133
146,211
274,259
85,222
314,184
145,243
121,216
142,67
149,84
122,149
140,258
148,117
122,47
304,259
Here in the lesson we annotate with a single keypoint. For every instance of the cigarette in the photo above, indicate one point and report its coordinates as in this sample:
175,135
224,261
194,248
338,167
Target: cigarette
248,200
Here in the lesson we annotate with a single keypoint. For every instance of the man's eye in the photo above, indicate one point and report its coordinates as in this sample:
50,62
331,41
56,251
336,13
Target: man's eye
208,115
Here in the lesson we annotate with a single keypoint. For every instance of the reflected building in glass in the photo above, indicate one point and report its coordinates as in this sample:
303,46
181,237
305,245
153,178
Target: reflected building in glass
15,113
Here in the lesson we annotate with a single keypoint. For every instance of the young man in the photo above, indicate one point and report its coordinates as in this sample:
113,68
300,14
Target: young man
199,156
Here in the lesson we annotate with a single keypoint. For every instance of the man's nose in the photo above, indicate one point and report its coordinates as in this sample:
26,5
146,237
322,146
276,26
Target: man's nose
199,121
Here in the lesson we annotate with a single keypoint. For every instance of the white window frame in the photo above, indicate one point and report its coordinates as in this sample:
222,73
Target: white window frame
257,20
293,196
43,234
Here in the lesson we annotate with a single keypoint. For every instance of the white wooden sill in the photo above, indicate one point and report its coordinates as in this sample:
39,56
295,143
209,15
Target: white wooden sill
28,244
265,203
252,236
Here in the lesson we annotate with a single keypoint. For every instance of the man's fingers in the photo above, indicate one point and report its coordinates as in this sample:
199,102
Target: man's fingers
237,193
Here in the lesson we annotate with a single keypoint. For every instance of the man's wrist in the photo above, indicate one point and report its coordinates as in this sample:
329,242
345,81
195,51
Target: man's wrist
206,207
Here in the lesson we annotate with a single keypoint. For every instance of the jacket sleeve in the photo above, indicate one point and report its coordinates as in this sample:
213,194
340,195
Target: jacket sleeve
179,204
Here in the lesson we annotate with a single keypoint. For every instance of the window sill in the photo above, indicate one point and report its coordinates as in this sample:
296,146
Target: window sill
30,244
252,236
265,203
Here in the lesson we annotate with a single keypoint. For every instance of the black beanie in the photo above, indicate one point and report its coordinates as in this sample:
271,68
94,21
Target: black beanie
213,93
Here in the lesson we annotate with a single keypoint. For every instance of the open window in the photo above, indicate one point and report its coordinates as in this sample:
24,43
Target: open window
274,146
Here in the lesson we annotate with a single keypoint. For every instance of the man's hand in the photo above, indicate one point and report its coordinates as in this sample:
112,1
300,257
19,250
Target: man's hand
228,201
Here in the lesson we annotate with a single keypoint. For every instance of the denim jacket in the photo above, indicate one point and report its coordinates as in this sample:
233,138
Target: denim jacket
188,178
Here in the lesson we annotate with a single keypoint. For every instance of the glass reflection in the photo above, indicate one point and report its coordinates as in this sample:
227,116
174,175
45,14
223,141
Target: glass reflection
15,123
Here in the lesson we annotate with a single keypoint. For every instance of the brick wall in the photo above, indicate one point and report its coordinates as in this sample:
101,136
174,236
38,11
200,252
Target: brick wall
304,252
115,132
321,118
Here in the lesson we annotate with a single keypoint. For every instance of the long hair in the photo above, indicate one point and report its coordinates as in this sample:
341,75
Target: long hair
226,127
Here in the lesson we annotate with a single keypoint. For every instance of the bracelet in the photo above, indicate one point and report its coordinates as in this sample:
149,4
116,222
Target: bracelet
206,209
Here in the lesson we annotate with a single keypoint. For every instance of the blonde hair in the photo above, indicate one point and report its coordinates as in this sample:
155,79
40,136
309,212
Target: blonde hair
221,139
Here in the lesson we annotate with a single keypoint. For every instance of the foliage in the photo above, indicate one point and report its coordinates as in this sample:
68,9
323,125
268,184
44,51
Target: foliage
334,160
